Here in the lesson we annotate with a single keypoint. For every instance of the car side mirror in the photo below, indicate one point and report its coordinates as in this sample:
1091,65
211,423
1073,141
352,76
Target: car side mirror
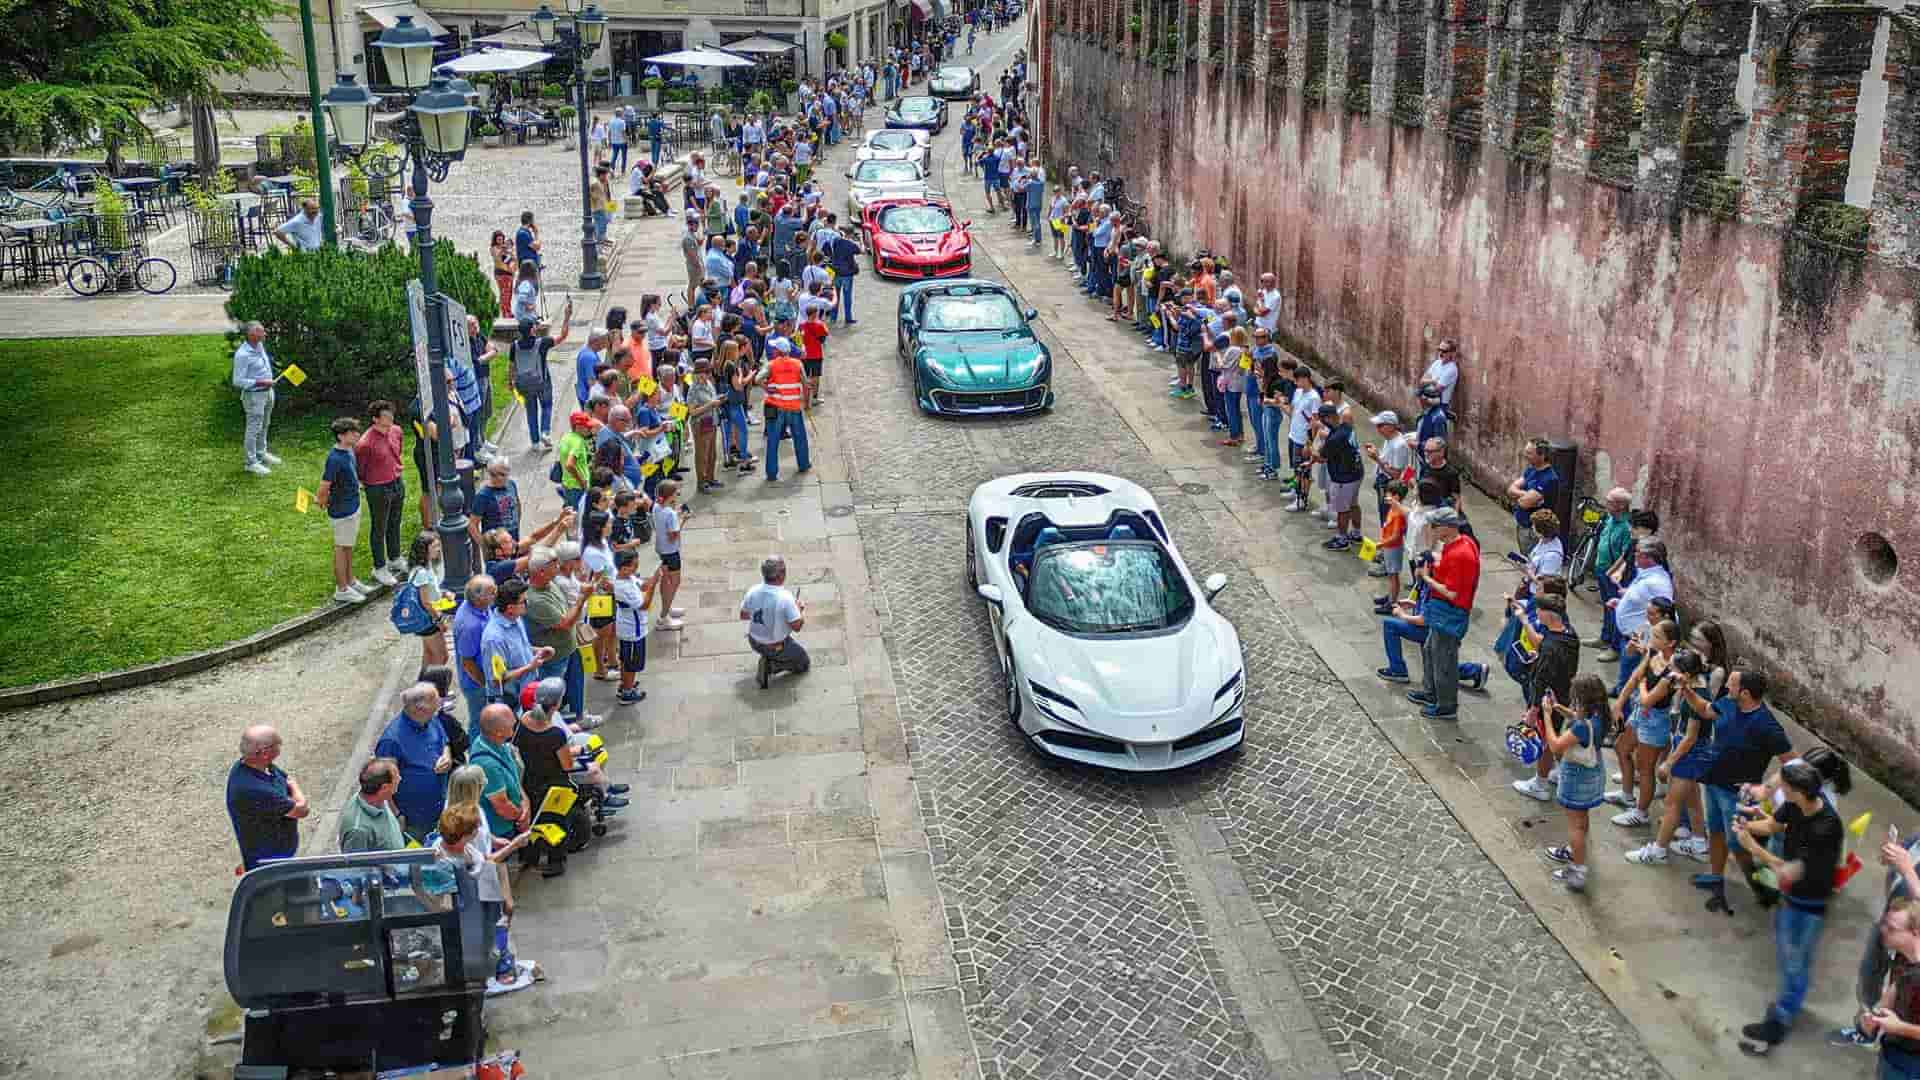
849,174
967,224
1214,585
1034,313
991,594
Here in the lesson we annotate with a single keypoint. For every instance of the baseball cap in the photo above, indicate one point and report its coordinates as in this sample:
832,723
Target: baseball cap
541,559
579,419
1387,417
1328,412
1446,516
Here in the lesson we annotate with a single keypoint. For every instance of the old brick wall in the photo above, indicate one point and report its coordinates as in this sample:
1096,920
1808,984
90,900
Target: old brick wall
1730,348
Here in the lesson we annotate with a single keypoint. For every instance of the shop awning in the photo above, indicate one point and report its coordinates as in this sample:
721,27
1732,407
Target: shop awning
495,60
518,37
388,15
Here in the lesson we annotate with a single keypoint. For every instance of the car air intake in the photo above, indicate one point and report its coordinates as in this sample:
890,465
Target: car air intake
1059,489
1209,734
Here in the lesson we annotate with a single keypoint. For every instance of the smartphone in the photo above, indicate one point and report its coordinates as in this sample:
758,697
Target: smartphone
1893,834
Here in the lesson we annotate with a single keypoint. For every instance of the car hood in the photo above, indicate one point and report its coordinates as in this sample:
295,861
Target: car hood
881,153
982,361
922,245
866,190
1150,688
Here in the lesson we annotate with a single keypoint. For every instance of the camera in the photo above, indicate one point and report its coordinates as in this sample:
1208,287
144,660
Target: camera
1687,662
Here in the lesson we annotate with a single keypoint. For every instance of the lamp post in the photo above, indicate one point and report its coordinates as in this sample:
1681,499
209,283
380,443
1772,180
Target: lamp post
580,34
432,135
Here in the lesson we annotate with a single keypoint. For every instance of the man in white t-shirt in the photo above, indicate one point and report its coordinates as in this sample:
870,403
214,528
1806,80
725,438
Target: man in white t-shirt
1305,404
1266,310
772,614
1444,372
1393,457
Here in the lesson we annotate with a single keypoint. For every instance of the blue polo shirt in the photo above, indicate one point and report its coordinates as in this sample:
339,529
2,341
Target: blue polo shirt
1433,425
1543,480
257,803
584,362
469,623
498,508
423,792
343,497
508,641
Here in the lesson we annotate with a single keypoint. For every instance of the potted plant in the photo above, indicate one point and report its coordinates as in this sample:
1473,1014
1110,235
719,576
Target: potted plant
760,104
566,113
651,85
791,90
483,85
490,134
837,43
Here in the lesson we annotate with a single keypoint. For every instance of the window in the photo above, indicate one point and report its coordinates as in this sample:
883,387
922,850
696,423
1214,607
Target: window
1107,587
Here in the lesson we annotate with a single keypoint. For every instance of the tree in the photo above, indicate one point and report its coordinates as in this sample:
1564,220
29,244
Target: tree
77,71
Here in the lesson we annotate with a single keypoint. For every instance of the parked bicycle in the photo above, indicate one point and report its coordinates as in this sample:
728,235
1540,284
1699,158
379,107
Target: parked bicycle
149,273
1591,516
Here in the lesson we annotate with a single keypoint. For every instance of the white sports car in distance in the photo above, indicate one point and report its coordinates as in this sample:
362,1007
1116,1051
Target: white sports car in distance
895,144
1111,652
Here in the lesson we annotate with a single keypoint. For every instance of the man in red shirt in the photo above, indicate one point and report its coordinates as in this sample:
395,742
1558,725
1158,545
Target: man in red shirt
787,390
1449,585
377,457
813,338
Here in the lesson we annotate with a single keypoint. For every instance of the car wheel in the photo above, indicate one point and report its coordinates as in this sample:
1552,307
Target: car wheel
973,574
1013,693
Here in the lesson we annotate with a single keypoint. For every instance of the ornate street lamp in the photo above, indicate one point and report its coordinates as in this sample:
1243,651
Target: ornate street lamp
579,35
432,135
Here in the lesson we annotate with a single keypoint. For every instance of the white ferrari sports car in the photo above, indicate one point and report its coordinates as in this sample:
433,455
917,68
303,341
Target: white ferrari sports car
1111,652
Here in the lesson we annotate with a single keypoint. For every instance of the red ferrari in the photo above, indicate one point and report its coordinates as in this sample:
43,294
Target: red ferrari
917,238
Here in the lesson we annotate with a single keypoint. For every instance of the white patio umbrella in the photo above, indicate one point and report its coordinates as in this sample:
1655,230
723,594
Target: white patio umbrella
701,58
495,60
759,43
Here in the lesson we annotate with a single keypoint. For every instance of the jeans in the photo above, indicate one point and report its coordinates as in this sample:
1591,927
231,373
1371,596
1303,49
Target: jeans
1440,674
1080,252
575,674
844,285
387,502
1209,390
1796,935
1897,1064
1609,633
788,656
1628,662
600,219
1274,420
618,157
1392,633
1232,405
1038,219
653,150
786,421
733,422
476,699
539,414
258,405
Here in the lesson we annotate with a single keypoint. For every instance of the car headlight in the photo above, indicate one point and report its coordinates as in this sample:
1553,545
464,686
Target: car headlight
1053,704
1231,696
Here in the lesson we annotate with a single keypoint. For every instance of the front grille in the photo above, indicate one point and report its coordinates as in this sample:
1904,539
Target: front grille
1030,398
1075,741
1209,734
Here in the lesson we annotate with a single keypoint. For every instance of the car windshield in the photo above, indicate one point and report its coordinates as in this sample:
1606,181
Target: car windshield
891,140
1107,587
918,105
886,172
956,74
916,219
979,311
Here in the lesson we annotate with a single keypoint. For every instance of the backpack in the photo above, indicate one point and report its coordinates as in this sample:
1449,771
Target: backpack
529,367
409,615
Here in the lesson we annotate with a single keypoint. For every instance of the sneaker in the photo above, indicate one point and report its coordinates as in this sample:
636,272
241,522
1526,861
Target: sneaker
546,443
1608,657
586,722
1614,776
385,577
1419,697
1632,819
1572,877
1378,571
1768,1031
618,789
1695,849
1618,797
671,623
1562,854
1707,881
1435,712
613,802
1533,788
1296,507
1553,775
271,458
1595,643
711,486
1650,854
347,596
258,469
1186,395
677,613
1682,833
1479,677
1338,543
1391,675
631,697
399,568
1851,1036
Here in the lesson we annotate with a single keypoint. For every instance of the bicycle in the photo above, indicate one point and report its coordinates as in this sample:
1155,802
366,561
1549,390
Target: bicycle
373,223
1592,516
150,274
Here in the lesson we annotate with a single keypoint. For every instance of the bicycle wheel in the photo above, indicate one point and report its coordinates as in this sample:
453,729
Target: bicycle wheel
1582,561
154,275
88,277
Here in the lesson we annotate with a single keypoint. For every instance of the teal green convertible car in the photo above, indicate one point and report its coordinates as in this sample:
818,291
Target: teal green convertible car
972,349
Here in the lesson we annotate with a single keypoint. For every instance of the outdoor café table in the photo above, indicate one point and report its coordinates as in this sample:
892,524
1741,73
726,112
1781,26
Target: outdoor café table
42,236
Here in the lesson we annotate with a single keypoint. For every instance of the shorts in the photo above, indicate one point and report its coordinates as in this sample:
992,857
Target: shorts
1651,727
812,367
1721,803
346,530
599,622
438,629
1393,559
1296,455
670,560
1341,496
633,655
1188,360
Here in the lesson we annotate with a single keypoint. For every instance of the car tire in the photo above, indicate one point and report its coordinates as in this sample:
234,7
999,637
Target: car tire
1013,693
973,574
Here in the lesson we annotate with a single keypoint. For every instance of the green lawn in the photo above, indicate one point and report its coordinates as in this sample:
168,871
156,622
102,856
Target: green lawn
136,535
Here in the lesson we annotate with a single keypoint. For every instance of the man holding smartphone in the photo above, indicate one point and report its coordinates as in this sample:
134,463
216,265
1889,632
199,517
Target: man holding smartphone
1902,887
1894,1017
1813,838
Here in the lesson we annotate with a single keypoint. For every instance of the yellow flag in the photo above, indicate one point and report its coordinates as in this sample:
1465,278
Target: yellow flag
1858,826
649,468
445,603
677,411
302,500
517,399
589,663
646,385
1367,550
294,374
499,668
1246,363
600,605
